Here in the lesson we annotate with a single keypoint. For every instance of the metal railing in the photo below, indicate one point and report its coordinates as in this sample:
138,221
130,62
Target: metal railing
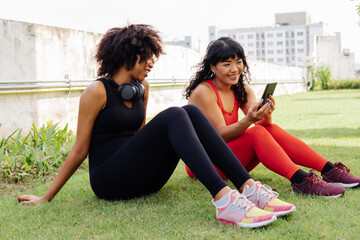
37,86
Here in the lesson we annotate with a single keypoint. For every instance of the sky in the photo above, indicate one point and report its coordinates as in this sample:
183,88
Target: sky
177,18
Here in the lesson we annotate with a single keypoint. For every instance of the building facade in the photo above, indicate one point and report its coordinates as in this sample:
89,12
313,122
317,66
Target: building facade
290,41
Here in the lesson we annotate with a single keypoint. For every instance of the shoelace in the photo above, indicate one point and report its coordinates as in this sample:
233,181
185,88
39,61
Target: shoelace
342,167
242,202
314,179
265,190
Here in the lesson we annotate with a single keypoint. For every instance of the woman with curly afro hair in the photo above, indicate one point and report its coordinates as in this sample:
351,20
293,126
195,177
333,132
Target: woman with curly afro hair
220,88
128,158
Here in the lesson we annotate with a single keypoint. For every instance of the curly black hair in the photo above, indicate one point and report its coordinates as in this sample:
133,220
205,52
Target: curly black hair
121,47
217,51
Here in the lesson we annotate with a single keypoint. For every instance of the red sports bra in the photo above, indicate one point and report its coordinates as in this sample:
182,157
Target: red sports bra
232,117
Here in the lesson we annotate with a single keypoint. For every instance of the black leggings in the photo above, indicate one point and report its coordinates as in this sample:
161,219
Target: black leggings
146,162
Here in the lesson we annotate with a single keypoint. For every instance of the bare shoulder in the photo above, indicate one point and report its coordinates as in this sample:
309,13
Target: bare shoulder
203,92
94,95
248,89
145,83
95,89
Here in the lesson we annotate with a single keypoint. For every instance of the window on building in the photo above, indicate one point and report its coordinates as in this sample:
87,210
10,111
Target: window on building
270,60
293,51
280,60
299,59
300,33
300,50
292,34
279,43
250,36
250,44
270,51
279,51
251,53
279,34
300,42
269,35
240,36
270,43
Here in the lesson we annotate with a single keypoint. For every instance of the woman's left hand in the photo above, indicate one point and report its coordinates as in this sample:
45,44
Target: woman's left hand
271,102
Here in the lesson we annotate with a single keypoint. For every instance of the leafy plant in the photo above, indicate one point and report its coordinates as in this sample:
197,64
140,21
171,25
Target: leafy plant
323,75
345,84
39,152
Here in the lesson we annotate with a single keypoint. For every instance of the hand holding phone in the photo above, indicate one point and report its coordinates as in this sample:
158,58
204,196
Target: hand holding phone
269,90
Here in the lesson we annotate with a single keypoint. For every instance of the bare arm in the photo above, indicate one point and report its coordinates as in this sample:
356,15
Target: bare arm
92,101
205,98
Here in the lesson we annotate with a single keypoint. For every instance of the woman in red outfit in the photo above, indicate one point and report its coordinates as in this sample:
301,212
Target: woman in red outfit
219,88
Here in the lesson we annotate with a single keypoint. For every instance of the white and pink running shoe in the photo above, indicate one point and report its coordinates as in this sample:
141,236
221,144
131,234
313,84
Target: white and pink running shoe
241,212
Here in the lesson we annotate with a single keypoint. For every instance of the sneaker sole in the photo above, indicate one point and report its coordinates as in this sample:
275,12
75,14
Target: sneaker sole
249,225
283,213
332,196
347,185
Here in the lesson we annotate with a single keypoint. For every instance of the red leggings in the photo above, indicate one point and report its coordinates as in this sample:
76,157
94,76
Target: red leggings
277,149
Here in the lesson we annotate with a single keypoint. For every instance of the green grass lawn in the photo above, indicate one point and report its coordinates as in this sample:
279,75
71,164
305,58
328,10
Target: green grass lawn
328,121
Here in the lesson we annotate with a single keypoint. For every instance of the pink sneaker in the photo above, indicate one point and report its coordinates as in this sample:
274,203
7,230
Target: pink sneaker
241,212
340,175
313,185
266,199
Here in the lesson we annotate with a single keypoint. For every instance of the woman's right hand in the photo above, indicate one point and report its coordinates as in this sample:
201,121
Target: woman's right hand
30,200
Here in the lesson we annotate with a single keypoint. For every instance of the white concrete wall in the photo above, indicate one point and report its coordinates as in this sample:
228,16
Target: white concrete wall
342,67
36,52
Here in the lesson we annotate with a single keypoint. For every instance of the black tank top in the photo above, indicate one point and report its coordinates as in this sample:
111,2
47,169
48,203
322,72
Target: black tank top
114,125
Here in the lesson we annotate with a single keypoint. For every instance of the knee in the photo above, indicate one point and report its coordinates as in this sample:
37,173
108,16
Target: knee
175,113
257,131
191,108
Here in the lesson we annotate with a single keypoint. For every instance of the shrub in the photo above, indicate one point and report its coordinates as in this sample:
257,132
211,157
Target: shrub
323,74
40,152
345,84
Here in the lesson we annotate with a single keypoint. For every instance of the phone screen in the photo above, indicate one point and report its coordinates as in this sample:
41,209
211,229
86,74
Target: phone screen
269,90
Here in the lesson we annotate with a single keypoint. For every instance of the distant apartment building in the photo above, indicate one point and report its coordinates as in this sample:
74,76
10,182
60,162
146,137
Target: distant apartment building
187,42
291,41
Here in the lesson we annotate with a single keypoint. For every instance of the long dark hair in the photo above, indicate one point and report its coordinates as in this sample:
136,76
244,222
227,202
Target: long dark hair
217,51
120,47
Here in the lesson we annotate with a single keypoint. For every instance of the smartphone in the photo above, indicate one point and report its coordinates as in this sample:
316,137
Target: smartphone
269,90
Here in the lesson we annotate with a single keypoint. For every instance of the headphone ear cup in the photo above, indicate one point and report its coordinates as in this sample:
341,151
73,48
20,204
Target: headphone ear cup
127,91
140,89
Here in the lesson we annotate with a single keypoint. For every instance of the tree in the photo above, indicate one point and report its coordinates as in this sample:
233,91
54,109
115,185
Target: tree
357,8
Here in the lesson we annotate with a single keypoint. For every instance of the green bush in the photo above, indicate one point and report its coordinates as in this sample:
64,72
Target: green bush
323,75
345,84
38,153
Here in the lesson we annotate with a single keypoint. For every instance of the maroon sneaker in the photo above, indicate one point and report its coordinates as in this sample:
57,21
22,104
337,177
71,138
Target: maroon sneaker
313,185
340,175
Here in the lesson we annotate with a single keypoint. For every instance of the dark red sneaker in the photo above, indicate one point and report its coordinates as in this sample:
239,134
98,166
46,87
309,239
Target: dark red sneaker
340,175
313,185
